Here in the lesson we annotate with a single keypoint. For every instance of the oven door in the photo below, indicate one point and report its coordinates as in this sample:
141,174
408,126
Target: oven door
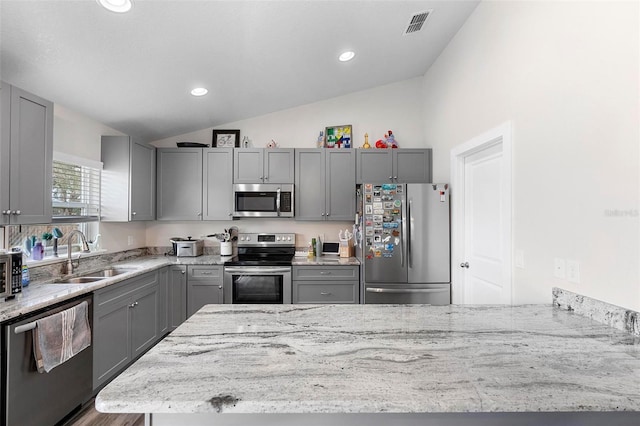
257,284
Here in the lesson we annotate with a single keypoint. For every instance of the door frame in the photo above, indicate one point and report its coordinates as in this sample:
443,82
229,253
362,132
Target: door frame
500,135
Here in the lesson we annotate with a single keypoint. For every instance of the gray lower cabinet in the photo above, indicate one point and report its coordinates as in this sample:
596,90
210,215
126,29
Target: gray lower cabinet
26,157
204,286
326,284
177,308
406,165
127,319
325,182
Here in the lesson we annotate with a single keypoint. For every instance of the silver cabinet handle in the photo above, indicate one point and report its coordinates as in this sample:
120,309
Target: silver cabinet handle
133,305
220,287
199,214
6,211
404,290
266,178
325,273
464,265
324,293
322,214
391,177
17,212
133,213
183,272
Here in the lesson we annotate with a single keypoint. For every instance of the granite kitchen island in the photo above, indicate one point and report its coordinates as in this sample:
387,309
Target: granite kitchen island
383,364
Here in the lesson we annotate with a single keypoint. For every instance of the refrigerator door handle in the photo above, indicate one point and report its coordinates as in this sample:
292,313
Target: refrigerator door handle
404,290
408,237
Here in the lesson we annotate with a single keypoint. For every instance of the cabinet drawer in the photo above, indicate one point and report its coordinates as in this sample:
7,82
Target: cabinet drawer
123,289
325,292
350,272
208,273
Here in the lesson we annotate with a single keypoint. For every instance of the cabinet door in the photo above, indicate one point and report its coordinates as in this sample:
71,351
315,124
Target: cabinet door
204,286
278,165
142,181
144,320
248,165
111,340
179,186
374,166
164,312
412,165
310,174
340,182
31,158
177,295
5,144
217,195
325,291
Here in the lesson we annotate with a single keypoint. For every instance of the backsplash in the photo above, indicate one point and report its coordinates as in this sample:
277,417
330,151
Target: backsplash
602,312
53,271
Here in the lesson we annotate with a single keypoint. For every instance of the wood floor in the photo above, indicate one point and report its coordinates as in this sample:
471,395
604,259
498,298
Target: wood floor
90,417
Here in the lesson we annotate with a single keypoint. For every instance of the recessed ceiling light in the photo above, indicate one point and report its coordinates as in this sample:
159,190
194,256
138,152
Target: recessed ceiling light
346,56
118,6
199,91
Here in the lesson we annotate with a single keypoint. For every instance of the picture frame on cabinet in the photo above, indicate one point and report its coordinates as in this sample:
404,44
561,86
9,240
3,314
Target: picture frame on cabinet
226,138
338,136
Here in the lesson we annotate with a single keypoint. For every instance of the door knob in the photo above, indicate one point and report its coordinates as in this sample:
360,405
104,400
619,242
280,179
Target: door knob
464,265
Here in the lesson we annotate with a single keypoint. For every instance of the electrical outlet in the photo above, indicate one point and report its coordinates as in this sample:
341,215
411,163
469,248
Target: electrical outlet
558,268
520,259
130,240
573,271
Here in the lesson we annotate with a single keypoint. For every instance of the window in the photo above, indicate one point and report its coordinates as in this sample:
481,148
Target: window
76,189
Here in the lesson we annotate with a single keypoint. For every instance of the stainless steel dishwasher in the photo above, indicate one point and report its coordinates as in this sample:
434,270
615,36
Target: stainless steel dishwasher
42,399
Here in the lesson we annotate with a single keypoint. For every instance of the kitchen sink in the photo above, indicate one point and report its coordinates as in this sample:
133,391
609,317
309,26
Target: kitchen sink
109,272
80,280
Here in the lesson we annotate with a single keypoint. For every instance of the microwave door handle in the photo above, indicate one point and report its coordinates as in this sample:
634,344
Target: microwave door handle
278,201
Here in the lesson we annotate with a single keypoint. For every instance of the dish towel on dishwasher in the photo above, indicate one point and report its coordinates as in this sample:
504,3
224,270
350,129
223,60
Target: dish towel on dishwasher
60,336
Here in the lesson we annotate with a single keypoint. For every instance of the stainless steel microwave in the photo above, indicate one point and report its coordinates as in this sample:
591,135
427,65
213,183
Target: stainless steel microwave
263,200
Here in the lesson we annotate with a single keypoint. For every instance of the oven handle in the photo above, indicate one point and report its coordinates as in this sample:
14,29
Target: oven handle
256,270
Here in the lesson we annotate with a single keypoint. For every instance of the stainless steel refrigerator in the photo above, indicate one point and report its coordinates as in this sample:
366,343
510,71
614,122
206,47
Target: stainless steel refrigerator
405,248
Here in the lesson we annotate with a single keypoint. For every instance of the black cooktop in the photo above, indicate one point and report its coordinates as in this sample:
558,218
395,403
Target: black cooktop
255,256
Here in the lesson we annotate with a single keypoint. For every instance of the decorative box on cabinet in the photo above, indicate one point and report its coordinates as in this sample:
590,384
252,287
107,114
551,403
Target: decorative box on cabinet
26,157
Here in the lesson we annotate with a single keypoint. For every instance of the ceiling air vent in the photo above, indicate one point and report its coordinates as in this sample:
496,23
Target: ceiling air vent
417,21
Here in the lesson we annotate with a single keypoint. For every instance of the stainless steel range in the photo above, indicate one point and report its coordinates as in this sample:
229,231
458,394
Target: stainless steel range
261,272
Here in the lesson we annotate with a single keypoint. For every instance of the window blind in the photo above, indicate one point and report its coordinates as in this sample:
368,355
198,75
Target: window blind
75,190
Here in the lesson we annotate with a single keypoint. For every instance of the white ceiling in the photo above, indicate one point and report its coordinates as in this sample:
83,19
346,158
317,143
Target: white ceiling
134,71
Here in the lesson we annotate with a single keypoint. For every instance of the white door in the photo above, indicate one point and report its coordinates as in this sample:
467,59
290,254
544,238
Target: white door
482,220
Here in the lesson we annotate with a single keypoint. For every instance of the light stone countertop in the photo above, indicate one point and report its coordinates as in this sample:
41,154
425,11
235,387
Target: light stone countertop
325,261
43,294
382,359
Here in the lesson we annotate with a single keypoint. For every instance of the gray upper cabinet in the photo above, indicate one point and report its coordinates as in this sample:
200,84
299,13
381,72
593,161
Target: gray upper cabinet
325,182
26,157
129,167
393,165
257,165
217,190
179,184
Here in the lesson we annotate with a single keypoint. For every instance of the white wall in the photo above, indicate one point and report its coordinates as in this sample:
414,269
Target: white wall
79,135
396,107
566,75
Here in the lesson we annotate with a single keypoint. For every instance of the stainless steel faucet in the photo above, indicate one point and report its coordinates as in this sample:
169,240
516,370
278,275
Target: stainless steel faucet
85,248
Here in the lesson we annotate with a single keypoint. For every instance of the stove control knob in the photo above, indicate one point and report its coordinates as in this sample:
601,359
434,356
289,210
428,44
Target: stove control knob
277,238
248,238
288,238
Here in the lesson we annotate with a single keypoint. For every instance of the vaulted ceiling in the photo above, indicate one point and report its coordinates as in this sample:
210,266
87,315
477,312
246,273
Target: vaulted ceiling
134,71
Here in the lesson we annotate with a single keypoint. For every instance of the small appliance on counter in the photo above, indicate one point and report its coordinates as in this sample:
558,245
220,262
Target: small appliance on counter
187,247
10,274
